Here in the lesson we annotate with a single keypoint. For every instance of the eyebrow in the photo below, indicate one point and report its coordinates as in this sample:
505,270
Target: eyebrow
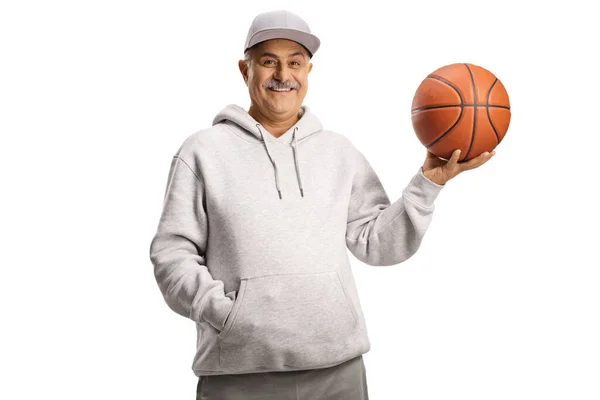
298,53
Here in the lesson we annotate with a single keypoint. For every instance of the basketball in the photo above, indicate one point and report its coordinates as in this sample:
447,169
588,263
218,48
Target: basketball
460,106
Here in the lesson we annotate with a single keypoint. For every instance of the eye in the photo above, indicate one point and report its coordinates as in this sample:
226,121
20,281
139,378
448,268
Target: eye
297,63
267,61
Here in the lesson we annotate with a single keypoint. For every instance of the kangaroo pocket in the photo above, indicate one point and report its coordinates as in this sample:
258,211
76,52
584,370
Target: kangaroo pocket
289,320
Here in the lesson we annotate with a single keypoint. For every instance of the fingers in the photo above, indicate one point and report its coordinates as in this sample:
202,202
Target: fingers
477,161
455,156
452,166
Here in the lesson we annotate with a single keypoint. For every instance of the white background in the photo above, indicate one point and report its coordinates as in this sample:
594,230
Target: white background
500,302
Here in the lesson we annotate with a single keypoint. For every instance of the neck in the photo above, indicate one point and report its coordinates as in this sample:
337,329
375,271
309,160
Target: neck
275,126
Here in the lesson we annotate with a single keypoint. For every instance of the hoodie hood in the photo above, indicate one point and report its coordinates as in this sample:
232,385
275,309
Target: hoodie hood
307,124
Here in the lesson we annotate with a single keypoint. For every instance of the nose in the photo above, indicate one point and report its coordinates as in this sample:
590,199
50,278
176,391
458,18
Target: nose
282,73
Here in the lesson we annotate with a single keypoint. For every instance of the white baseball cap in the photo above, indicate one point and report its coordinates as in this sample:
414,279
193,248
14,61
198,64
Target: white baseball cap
281,24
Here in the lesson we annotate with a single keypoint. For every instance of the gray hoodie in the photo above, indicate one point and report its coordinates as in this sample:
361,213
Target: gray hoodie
251,243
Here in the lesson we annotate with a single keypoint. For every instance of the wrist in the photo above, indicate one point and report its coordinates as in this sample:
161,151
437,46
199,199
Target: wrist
433,177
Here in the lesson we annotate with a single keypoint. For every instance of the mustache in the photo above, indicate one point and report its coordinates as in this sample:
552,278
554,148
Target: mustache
273,84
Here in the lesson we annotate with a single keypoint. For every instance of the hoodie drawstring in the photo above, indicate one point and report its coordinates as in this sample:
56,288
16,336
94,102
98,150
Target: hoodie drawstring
294,148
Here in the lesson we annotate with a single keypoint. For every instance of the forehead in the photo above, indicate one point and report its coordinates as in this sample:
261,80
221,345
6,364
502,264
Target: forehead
280,47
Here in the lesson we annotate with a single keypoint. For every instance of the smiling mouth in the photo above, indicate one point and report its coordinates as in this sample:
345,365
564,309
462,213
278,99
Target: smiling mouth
280,90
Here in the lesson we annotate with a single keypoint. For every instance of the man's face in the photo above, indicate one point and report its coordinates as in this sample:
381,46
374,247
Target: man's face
277,64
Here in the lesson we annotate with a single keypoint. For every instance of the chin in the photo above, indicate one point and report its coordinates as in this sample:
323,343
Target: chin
284,107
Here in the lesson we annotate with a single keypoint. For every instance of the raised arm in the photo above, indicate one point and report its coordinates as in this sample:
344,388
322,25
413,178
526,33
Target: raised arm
381,233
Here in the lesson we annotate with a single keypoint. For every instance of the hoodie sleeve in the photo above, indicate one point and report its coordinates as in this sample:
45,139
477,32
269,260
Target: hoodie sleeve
177,251
379,233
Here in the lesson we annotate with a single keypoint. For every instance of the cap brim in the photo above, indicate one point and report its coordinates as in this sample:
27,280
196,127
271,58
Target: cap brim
310,41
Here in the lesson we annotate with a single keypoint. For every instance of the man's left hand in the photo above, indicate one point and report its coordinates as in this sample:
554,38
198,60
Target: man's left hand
441,171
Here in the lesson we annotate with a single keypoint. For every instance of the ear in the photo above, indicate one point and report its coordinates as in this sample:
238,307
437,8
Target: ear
309,67
243,70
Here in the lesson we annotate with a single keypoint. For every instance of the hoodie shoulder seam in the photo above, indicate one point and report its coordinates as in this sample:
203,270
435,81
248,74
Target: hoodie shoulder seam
190,168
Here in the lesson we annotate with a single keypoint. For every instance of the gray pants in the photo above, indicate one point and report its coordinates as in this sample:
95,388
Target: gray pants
346,381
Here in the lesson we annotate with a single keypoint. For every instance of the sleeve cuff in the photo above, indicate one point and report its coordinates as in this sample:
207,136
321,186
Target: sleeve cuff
422,191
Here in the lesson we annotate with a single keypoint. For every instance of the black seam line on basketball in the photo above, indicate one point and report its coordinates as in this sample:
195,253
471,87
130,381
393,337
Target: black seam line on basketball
474,112
416,110
439,78
487,101
462,109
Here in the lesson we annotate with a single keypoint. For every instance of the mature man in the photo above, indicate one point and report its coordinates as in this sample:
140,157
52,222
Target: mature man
259,212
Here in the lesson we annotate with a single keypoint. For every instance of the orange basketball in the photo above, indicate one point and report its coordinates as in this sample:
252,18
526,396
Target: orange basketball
460,106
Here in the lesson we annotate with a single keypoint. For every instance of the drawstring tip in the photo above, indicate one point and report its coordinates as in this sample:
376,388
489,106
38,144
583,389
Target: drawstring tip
302,192
279,191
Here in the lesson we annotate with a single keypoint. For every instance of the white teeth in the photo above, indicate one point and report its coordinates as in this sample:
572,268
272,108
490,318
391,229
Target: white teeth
281,90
